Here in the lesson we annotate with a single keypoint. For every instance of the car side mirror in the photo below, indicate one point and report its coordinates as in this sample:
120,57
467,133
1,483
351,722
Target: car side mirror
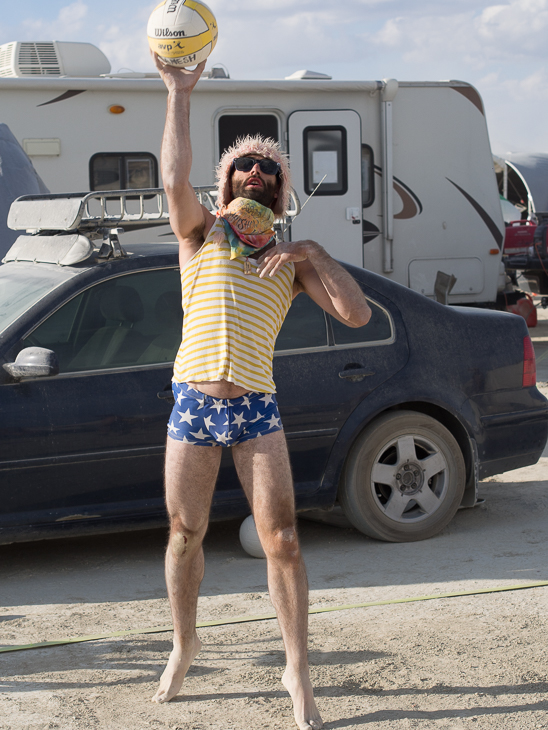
33,362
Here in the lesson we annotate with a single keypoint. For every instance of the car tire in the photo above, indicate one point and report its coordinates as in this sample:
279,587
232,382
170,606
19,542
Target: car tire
404,478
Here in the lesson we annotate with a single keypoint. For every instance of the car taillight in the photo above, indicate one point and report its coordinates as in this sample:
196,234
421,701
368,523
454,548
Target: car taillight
529,365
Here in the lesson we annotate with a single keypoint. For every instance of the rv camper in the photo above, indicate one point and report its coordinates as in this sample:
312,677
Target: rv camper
397,177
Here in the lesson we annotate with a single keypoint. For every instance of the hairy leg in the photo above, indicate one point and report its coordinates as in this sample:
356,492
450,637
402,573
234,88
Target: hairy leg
265,473
190,477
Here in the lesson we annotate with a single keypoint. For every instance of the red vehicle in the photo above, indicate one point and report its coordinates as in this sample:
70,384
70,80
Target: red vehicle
518,237
520,240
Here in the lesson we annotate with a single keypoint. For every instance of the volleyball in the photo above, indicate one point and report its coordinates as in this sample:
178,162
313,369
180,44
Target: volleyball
182,32
249,538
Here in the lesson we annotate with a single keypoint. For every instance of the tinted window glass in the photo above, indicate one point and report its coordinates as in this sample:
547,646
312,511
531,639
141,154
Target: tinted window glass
304,326
368,176
122,171
325,160
127,321
22,286
232,126
377,329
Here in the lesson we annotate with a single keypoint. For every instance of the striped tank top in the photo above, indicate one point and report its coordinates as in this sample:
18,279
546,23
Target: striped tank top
231,319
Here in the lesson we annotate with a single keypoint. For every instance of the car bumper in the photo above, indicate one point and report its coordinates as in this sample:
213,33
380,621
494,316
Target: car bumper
512,439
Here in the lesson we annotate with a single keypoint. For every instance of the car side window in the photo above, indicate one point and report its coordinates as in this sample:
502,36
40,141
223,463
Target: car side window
304,326
378,329
131,320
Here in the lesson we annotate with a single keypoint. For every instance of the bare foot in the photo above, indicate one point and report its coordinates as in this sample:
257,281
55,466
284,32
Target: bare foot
299,687
172,678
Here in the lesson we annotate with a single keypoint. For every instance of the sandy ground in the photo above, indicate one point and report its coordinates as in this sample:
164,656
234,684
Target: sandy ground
475,661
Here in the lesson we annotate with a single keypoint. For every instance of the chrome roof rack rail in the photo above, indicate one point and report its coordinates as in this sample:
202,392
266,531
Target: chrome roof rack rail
54,218
63,226
87,212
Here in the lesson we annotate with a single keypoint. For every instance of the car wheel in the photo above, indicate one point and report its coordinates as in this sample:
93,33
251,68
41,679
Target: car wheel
404,478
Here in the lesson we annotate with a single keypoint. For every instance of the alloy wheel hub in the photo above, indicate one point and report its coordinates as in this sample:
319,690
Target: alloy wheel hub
409,478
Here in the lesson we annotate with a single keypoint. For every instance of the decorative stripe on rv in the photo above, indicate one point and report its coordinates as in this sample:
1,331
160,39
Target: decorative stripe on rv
472,95
411,205
63,97
486,218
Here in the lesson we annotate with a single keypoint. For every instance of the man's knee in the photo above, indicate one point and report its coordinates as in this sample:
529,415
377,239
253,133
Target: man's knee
282,544
185,538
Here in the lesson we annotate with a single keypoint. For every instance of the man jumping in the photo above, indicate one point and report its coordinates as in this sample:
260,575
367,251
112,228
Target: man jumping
237,286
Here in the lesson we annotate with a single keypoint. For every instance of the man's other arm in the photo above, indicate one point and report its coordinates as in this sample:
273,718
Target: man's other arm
322,278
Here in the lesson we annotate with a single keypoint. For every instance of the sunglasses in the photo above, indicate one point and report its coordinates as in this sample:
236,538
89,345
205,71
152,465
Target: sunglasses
246,164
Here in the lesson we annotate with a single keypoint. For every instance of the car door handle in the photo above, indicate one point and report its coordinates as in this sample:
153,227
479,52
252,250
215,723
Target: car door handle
355,374
166,395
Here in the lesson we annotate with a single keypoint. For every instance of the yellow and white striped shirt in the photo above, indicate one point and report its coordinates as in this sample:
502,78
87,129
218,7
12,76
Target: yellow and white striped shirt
231,319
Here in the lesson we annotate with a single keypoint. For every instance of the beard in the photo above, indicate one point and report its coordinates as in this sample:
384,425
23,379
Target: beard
265,195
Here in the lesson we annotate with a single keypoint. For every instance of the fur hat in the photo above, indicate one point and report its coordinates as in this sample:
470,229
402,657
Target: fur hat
257,145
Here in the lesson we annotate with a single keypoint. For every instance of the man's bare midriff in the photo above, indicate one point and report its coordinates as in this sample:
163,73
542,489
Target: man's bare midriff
219,389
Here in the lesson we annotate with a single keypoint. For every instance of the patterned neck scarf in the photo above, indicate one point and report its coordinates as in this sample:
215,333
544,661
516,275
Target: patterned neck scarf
248,226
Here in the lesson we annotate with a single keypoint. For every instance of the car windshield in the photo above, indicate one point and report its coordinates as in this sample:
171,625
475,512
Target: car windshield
22,285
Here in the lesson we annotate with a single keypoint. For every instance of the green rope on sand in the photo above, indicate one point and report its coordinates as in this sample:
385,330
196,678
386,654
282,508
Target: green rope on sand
267,617
544,354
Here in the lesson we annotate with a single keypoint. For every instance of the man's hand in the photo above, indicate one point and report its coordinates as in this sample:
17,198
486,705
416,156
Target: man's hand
321,277
177,78
273,260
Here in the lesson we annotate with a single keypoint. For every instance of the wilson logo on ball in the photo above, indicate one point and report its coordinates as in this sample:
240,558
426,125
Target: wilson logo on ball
191,25
167,33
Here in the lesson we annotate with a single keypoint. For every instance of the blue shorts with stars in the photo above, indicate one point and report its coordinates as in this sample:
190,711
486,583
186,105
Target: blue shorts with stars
206,421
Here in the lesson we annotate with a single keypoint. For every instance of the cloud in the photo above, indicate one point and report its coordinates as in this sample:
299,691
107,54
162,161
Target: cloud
307,35
125,44
513,32
278,36
520,90
68,24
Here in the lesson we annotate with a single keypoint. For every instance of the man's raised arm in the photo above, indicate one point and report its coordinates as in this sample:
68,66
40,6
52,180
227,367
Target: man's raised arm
187,217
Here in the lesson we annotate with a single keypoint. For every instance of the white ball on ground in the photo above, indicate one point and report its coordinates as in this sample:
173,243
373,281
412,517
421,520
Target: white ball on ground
250,539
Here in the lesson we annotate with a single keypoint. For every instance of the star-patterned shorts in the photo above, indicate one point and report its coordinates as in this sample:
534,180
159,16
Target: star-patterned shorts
206,421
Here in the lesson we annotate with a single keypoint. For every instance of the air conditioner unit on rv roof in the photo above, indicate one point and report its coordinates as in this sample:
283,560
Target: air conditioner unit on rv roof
52,58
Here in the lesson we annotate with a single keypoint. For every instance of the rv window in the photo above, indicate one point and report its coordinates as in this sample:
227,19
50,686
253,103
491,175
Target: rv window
232,126
325,160
368,176
123,171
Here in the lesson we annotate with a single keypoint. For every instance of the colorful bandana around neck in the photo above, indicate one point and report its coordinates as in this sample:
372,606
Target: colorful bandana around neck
248,226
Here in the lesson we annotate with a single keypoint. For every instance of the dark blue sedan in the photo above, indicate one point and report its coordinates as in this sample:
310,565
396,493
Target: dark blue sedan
396,421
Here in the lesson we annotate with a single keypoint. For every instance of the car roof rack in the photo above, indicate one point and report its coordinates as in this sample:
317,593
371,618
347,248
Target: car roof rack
64,225
87,212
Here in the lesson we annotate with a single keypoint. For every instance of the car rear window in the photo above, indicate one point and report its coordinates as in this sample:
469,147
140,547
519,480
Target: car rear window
304,326
22,286
378,329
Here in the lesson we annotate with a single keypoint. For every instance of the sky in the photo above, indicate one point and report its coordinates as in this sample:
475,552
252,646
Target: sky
501,49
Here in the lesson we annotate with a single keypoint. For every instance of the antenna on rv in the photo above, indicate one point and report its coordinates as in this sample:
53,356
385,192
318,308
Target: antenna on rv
312,193
280,234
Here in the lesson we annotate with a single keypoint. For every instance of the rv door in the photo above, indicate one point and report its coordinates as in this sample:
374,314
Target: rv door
325,151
